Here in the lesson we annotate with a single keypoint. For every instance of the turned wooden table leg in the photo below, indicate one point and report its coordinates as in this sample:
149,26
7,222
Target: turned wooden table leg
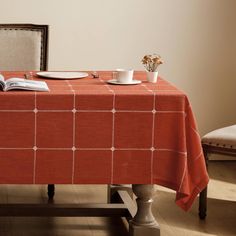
143,222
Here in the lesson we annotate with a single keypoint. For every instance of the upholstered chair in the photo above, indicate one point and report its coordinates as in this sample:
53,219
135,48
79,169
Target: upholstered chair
220,141
24,47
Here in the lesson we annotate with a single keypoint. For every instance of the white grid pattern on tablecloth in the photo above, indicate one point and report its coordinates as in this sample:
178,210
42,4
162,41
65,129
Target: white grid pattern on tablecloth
112,148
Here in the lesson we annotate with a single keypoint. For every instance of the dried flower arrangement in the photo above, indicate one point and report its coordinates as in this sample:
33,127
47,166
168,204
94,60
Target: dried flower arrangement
151,62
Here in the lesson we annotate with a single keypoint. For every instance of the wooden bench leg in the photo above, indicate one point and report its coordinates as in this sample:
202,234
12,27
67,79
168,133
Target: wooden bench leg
143,222
51,191
203,194
203,204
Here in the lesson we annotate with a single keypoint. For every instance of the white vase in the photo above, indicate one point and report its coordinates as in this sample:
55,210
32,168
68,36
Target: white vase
152,76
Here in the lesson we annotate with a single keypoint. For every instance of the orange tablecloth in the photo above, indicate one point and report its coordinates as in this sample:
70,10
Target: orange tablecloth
88,132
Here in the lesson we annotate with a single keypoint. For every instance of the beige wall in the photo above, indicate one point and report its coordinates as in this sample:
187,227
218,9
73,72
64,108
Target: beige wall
196,38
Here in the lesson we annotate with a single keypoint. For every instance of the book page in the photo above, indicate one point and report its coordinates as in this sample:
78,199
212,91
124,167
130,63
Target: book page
2,82
18,83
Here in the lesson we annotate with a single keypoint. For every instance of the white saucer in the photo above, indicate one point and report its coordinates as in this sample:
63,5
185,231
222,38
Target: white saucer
62,74
133,82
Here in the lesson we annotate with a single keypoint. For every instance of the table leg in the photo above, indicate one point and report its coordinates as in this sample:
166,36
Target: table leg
112,194
143,222
51,191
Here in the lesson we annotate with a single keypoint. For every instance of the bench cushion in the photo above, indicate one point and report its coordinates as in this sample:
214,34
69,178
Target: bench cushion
224,137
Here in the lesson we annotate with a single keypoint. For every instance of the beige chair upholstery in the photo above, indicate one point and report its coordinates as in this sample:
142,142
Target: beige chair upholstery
220,141
224,137
23,47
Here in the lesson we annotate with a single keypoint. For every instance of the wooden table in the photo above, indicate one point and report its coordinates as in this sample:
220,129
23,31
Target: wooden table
86,131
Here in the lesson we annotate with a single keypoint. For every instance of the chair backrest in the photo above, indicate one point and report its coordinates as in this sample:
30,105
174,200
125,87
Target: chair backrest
23,47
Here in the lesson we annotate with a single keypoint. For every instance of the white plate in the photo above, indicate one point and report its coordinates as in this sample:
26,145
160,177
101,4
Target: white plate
62,75
133,82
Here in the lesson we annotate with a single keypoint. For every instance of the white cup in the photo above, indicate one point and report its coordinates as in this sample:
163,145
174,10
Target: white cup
123,76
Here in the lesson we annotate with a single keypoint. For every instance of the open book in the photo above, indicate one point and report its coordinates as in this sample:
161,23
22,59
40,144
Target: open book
23,84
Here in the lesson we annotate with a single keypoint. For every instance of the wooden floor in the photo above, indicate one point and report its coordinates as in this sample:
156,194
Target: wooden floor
221,219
